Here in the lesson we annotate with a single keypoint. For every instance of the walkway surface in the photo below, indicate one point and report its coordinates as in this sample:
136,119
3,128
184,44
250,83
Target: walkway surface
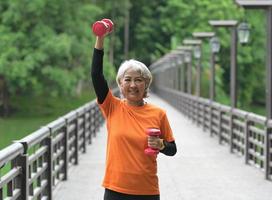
201,170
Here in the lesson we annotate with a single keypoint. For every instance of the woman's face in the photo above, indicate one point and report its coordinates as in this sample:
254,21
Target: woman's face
133,87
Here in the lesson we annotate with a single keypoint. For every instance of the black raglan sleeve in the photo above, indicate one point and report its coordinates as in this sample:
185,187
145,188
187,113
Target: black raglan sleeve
170,148
99,82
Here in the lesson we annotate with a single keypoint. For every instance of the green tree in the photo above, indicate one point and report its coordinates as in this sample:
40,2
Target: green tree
45,45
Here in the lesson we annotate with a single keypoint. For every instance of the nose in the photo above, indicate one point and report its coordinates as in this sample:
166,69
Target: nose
132,84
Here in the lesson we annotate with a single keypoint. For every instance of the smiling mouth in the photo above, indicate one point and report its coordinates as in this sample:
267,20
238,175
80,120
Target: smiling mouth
133,92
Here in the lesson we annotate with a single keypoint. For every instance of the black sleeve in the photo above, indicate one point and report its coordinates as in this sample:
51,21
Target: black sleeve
99,82
170,148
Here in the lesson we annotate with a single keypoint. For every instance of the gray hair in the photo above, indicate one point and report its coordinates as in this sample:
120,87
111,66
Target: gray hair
136,66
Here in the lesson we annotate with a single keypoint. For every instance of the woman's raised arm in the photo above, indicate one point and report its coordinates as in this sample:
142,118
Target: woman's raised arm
99,82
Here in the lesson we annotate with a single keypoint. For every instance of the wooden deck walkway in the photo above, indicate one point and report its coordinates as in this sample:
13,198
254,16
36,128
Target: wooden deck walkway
201,169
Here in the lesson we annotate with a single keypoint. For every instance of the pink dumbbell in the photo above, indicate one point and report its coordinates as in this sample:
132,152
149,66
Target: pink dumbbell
156,133
102,27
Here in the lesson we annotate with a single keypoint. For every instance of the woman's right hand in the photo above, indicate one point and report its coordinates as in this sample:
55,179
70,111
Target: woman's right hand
101,29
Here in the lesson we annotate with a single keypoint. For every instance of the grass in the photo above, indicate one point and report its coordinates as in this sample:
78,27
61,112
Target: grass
30,113
260,110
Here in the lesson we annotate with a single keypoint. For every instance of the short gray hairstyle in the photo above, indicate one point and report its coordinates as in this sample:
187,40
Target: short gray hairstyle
137,66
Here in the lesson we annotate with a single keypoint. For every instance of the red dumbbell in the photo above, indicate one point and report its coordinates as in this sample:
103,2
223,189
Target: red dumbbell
156,133
102,27
109,23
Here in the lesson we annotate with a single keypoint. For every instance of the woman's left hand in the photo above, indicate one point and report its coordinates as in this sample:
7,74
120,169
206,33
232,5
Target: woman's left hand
155,142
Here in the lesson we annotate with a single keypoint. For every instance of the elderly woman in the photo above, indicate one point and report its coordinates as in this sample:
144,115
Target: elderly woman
130,174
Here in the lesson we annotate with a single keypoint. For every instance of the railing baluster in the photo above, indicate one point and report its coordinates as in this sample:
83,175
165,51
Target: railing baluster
49,173
76,142
22,182
84,132
220,126
267,152
231,131
211,118
1,194
66,151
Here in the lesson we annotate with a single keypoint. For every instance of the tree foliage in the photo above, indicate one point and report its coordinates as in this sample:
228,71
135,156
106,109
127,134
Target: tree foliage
46,46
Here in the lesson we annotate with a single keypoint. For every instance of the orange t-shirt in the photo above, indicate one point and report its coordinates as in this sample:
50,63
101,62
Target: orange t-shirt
128,169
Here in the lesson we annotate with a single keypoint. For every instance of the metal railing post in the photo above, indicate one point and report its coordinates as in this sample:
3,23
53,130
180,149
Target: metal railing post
211,118
231,130
87,117
267,158
66,151
269,64
220,126
22,182
79,114
247,125
76,141
50,168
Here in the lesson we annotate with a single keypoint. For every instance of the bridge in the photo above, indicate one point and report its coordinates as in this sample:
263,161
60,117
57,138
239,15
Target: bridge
224,153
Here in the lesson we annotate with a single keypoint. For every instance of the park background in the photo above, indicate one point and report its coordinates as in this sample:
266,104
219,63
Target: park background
46,48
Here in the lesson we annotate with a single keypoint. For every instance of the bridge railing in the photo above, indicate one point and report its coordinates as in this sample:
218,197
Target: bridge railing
34,165
247,134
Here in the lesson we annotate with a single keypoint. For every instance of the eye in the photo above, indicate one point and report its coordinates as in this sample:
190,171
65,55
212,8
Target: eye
139,80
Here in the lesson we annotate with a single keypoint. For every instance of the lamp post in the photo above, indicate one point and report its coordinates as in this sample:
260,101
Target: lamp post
176,61
180,61
188,60
267,6
170,58
196,50
233,56
201,36
233,69
215,47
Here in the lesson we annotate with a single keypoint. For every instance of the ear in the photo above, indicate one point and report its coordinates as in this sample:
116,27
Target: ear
121,83
121,89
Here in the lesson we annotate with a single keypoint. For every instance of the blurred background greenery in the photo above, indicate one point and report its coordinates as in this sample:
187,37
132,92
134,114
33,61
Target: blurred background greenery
46,48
